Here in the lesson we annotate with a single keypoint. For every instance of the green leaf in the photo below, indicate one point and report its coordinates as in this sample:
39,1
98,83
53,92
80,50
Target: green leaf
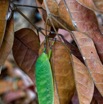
44,80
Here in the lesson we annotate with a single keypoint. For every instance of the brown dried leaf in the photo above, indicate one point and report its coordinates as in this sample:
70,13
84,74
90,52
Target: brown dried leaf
80,14
86,22
91,58
4,4
75,51
84,83
7,44
25,50
53,8
65,16
60,13
96,5
63,72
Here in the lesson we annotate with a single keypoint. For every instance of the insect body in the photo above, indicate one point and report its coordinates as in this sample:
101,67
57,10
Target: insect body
44,80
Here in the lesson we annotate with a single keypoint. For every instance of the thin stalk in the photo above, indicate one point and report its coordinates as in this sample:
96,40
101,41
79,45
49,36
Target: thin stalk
52,32
49,14
63,26
37,28
29,6
59,23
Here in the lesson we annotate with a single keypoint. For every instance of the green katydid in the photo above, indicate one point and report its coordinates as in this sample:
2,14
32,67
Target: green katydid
44,80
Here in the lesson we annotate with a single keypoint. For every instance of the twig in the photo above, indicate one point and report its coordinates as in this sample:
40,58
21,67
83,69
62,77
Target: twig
29,6
49,17
60,23
37,28
52,32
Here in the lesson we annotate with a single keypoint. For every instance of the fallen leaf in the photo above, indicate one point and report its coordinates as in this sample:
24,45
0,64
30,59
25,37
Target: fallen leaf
25,50
8,40
83,81
4,4
91,58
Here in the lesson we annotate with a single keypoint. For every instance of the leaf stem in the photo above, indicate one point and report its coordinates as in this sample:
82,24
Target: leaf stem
29,6
37,28
59,23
